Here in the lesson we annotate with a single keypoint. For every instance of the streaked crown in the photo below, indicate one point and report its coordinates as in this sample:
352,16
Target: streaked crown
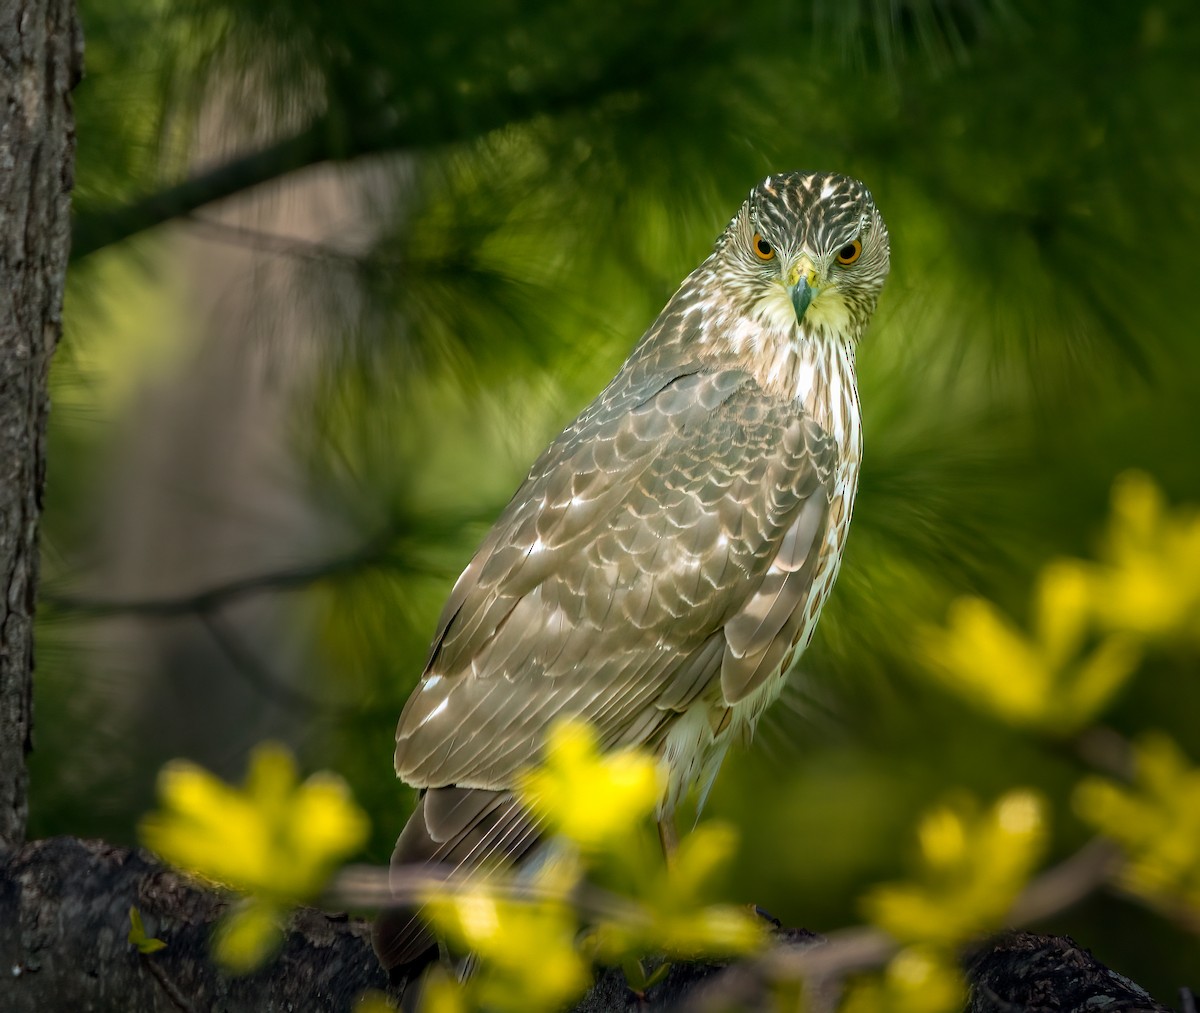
818,222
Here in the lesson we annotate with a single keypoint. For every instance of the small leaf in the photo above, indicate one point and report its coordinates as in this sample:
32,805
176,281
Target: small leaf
137,934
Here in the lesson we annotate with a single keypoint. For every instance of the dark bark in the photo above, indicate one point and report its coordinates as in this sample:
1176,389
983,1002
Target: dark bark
40,60
1052,974
64,921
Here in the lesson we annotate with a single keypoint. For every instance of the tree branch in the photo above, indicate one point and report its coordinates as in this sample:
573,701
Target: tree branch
64,919
373,553
418,124
822,967
254,671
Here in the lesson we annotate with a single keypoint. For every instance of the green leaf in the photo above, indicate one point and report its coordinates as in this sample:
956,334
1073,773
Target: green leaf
137,934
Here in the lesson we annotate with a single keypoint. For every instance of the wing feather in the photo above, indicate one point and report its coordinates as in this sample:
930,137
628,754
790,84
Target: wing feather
659,549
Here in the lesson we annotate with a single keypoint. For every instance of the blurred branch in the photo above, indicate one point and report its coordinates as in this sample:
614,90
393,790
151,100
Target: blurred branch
64,909
270,242
372,554
168,985
1067,883
822,967
369,886
399,127
97,229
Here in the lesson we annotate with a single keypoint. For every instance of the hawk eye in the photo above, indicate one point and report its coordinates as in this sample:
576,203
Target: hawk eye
762,249
849,253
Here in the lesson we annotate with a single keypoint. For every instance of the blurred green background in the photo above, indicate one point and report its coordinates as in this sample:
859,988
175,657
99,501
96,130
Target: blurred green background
425,235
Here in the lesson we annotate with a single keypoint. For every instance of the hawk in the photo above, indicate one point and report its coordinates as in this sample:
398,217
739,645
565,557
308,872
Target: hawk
666,559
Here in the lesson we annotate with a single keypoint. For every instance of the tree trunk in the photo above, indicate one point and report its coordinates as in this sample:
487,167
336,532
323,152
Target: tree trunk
40,61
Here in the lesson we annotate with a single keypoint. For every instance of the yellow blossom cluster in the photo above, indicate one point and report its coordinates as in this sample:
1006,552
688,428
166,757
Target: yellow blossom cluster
971,865
595,807
274,839
1156,821
1091,621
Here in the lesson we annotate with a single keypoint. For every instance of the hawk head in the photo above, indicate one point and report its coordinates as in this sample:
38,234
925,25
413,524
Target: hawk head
806,255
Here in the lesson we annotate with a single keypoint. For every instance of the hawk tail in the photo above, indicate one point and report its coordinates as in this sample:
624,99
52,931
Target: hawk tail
456,830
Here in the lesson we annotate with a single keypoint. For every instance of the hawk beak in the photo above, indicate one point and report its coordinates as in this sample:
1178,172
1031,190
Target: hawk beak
803,283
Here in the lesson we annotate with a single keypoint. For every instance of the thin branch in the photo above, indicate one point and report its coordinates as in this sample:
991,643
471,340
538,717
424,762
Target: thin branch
95,230
1066,884
371,554
271,242
368,886
172,990
414,126
858,949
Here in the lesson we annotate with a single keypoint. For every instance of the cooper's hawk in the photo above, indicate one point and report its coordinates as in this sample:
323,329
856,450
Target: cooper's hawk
666,559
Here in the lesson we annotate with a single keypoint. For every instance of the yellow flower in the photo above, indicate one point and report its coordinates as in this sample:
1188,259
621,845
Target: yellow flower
1037,681
919,979
1156,822
676,920
246,936
526,948
972,866
1149,584
273,837
441,993
591,798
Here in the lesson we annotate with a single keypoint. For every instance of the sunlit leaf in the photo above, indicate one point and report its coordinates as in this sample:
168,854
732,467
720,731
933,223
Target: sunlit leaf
137,934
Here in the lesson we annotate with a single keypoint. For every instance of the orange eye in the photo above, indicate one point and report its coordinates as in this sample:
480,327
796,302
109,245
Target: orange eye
762,249
849,253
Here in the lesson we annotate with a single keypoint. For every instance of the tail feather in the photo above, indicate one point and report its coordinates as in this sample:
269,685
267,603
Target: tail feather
458,829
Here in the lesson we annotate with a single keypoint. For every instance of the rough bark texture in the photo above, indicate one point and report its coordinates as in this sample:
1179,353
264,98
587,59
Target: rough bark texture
64,922
1051,974
40,60
64,925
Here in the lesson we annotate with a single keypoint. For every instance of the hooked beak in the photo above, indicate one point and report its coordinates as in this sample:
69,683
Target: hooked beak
803,283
